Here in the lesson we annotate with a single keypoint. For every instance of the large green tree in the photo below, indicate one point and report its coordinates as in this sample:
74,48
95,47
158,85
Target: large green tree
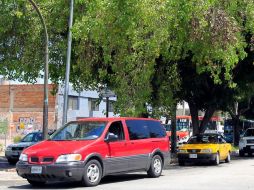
136,48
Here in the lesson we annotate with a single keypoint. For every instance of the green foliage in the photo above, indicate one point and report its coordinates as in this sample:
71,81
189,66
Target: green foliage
17,139
3,126
133,47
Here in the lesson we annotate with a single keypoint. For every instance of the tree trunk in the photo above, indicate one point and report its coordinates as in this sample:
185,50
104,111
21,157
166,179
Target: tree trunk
208,114
194,118
173,130
236,122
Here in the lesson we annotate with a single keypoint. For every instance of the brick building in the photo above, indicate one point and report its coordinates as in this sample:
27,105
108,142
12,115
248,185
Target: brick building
22,106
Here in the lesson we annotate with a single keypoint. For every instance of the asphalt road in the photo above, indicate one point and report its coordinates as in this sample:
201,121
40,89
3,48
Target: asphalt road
237,175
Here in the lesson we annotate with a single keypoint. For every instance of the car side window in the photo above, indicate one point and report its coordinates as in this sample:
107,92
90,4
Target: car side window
116,128
38,137
156,130
138,129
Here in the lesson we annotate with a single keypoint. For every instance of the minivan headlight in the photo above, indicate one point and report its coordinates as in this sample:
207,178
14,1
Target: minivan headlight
23,157
182,151
69,158
206,151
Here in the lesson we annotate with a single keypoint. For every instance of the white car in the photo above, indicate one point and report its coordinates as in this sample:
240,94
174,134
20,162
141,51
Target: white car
246,144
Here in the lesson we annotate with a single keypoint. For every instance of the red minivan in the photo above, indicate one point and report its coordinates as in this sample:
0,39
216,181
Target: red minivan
91,148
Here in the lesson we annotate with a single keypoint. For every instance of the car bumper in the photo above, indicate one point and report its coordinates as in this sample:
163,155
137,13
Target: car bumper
248,149
52,172
184,157
12,155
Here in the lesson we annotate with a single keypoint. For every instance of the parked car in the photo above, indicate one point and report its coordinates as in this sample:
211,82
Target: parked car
246,144
89,149
205,148
13,151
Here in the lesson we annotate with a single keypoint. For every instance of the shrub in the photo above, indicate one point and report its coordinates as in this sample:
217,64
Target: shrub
1,147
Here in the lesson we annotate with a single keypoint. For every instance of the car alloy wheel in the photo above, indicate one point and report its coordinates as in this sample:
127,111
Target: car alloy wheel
155,167
217,159
92,173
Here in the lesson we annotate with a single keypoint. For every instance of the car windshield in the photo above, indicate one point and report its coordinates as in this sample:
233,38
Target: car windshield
249,133
28,138
85,130
203,139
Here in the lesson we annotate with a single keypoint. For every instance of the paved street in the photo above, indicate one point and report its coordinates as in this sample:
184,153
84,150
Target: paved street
238,175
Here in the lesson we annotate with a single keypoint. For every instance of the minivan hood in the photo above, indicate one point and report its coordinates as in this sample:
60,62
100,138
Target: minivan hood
56,148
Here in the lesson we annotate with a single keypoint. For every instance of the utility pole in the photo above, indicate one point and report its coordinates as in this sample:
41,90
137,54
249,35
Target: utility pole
45,104
68,62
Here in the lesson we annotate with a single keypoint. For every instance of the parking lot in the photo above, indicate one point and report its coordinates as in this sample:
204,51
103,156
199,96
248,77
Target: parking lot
236,175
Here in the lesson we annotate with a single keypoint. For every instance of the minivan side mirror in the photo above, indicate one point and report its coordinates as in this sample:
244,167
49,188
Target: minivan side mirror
111,138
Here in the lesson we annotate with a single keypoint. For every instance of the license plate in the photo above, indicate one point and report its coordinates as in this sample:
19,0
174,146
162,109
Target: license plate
193,155
251,147
36,170
15,153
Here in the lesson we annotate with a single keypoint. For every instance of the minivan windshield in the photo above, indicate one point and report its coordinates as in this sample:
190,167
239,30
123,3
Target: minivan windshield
84,130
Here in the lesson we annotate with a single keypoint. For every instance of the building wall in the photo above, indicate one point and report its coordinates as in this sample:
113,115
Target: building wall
84,108
23,106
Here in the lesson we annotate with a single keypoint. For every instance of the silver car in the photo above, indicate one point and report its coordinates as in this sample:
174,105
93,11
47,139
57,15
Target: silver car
13,151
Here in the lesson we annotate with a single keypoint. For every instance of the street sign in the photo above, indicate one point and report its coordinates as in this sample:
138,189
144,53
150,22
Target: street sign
107,93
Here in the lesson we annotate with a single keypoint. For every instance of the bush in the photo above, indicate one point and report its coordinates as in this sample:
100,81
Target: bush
1,147
17,139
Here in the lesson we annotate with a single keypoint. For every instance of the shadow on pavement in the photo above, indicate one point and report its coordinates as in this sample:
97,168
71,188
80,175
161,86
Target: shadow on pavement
205,165
68,185
4,165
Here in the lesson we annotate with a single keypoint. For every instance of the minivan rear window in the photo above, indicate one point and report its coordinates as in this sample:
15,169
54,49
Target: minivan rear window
143,129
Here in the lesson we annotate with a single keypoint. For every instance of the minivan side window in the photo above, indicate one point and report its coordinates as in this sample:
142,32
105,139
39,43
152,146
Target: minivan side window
138,129
116,128
156,130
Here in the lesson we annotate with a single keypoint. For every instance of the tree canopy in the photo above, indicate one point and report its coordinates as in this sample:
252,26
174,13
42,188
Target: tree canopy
150,53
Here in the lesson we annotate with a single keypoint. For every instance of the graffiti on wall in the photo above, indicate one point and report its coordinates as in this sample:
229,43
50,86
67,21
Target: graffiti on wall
26,125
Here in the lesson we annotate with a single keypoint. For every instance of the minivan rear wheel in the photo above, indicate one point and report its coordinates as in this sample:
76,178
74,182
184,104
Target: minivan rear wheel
92,174
155,167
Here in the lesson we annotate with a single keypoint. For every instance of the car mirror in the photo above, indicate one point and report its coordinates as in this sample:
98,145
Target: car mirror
111,138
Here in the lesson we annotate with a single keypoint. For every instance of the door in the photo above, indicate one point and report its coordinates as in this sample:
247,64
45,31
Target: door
222,148
116,160
140,144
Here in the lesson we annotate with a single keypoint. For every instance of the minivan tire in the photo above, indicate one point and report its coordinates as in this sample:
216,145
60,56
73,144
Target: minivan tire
92,173
155,167
36,183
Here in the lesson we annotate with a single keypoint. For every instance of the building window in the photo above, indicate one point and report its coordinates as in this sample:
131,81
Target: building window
111,106
73,103
94,104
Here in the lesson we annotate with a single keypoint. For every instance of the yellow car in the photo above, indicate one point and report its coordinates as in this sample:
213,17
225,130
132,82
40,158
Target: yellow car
204,148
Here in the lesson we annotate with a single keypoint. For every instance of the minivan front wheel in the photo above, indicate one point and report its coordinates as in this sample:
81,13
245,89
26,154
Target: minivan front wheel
92,174
155,167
